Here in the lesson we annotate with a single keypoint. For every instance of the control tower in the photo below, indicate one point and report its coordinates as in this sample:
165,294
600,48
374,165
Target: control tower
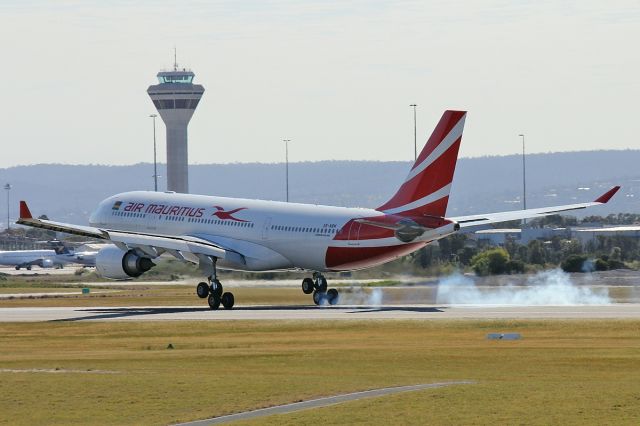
176,98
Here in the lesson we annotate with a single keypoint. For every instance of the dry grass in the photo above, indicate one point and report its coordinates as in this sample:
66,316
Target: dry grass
562,372
147,295
155,296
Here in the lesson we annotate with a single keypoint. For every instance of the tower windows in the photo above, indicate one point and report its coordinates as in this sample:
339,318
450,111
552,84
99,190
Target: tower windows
176,103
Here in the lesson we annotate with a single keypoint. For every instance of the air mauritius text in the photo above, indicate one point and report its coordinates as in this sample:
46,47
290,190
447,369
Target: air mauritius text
164,209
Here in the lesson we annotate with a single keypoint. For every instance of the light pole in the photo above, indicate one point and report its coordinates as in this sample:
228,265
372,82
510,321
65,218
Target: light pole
155,163
524,179
415,133
8,188
286,160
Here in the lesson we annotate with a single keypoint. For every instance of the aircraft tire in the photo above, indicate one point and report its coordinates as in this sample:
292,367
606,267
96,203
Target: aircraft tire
214,301
216,287
319,297
202,290
332,296
228,300
307,286
321,284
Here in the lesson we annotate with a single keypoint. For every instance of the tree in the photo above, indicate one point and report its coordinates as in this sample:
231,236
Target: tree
537,253
574,263
490,262
616,253
426,256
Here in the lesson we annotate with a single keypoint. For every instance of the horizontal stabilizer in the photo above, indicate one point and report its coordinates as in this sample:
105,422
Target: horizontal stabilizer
408,229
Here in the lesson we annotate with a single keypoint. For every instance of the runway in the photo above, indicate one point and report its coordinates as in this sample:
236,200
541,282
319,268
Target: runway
306,312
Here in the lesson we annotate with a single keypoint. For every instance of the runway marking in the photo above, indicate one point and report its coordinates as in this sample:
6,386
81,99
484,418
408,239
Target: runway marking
320,402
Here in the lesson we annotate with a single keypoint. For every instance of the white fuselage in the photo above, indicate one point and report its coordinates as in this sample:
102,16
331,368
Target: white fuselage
270,234
20,258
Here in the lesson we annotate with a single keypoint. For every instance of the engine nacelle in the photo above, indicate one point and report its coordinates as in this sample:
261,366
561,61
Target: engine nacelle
46,263
116,264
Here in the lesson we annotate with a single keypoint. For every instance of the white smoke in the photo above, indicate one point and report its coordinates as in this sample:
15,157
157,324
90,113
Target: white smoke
545,288
361,296
588,266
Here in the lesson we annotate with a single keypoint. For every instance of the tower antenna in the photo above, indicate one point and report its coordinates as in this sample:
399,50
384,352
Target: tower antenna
175,58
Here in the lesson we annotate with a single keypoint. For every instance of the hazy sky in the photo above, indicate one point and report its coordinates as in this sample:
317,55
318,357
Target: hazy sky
335,77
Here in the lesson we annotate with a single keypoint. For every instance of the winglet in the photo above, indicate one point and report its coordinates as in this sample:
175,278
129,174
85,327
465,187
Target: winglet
24,211
607,195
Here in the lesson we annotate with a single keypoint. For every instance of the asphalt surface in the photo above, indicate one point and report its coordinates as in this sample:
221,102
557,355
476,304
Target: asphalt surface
302,312
317,403
36,270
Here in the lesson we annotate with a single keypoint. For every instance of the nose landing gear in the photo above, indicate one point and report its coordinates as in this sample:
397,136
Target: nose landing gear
318,286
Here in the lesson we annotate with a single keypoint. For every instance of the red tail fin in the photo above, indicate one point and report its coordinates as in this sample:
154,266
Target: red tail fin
24,211
426,190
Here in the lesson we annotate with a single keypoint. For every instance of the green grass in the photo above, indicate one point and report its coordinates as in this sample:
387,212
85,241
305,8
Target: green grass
561,372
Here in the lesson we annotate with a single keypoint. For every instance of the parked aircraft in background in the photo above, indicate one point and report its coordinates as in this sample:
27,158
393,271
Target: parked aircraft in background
54,258
256,235
81,256
30,258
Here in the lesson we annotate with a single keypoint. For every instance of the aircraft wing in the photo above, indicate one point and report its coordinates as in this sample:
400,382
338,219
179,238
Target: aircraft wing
186,248
482,219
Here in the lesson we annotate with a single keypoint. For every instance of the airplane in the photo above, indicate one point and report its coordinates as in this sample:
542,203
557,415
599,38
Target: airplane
29,258
257,235
86,258
48,258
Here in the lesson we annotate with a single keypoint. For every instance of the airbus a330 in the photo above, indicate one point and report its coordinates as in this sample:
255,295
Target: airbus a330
257,235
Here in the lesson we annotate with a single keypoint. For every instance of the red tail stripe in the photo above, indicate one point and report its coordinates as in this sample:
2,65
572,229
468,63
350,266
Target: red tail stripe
364,232
431,179
447,122
339,258
436,208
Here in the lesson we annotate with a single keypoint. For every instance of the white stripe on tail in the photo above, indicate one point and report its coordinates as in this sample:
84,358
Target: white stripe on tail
425,191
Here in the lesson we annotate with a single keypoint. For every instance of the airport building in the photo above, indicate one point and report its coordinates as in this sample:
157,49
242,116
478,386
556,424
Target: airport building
499,237
176,98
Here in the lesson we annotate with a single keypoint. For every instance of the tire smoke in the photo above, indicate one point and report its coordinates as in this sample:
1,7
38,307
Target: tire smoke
553,288
361,296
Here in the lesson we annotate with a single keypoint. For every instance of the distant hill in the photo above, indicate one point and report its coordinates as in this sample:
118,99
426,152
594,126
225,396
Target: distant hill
71,192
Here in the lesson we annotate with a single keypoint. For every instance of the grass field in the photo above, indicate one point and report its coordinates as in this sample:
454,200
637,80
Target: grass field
561,372
144,295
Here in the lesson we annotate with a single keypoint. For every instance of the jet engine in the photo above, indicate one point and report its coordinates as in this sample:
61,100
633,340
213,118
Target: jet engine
46,263
116,264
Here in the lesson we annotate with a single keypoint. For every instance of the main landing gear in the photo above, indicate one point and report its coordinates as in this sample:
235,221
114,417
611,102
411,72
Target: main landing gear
318,286
214,294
